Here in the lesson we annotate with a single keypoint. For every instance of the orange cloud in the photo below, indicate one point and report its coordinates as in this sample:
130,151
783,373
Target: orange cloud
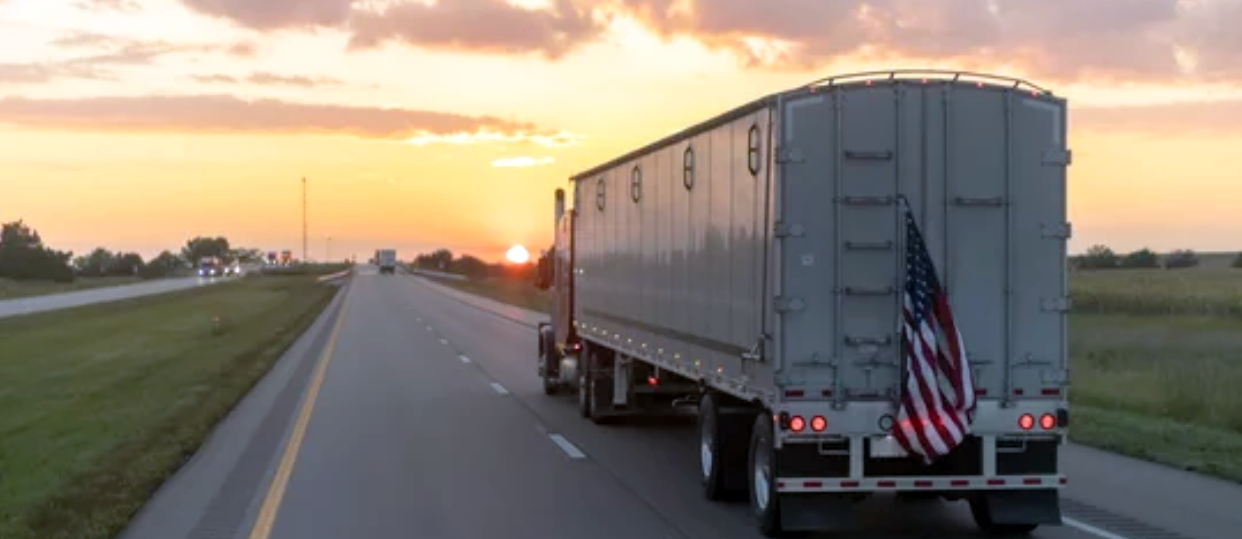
222,113
264,78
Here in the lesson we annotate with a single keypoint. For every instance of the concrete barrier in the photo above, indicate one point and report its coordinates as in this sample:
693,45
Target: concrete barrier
438,274
334,276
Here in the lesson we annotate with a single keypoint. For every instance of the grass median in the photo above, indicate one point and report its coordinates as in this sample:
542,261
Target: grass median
1155,361
102,403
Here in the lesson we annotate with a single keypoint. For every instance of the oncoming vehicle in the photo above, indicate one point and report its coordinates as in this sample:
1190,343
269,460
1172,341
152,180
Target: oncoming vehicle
211,266
859,283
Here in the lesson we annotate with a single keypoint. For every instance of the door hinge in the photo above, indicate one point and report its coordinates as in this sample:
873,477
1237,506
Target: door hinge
789,154
789,229
1058,157
784,304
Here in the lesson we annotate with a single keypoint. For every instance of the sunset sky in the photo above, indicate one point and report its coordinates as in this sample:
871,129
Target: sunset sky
135,124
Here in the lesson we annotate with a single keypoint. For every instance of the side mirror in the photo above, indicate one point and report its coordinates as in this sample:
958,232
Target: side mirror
544,274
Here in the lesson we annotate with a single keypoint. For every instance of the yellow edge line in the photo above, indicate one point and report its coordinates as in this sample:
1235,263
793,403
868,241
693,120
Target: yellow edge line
276,492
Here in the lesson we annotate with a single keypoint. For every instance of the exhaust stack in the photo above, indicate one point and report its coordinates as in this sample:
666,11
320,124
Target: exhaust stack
560,205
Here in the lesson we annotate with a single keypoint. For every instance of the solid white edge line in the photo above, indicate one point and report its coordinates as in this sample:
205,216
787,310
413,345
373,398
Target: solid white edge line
499,388
567,447
464,359
1083,526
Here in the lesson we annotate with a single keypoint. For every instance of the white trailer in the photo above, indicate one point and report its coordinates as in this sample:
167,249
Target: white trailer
754,265
386,259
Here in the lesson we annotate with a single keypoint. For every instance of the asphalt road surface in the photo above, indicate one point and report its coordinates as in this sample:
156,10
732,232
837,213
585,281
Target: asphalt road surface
21,306
428,422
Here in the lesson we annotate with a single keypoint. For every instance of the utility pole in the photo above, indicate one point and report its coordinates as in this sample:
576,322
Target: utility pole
304,228
328,258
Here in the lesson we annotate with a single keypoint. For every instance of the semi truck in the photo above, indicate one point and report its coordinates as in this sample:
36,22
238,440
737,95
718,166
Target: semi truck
771,270
386,259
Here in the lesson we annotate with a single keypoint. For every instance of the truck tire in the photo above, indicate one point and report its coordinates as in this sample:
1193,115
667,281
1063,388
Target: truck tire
594,391
982,513
721,471
761,464
547,358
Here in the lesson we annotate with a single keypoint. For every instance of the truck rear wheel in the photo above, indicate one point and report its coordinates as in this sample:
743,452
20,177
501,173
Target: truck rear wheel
981,510
764,499
548,361
594,390
722,450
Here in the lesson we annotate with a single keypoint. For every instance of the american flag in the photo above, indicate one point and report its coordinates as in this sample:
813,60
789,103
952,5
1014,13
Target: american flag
938,402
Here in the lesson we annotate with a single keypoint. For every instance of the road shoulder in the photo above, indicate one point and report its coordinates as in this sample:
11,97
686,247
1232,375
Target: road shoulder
215,492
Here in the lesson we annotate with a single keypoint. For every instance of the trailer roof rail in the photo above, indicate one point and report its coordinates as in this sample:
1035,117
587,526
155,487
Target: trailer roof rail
926,75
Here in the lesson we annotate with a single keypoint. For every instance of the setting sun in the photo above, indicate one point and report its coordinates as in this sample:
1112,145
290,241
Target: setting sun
517,254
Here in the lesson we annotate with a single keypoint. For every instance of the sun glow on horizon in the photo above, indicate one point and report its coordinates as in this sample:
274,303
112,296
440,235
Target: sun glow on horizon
517,255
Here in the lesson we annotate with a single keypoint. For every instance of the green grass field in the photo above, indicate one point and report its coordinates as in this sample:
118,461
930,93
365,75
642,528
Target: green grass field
1155,359
23,289
102,403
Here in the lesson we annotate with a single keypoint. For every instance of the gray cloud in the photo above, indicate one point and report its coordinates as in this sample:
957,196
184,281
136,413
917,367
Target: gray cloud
125,6
273,14
107,52
223,113
478,25
1057,40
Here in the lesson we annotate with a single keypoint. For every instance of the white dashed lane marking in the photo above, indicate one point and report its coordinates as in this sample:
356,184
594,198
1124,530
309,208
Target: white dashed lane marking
567,447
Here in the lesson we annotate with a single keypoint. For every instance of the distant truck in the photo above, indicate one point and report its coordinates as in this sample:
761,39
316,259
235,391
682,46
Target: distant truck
386,259
212,266
757,267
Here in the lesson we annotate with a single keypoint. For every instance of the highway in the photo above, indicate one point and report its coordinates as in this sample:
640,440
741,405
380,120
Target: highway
424,418
22,306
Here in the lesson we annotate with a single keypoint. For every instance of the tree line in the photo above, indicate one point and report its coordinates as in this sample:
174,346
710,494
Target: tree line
1101,257
470,266
25,257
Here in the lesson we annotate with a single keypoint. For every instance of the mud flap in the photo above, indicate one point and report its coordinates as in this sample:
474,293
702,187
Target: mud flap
816,513
1023,506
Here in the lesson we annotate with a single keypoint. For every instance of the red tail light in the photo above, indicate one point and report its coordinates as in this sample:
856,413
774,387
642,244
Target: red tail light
797,424
818,423
1027,421
1047,421
653,381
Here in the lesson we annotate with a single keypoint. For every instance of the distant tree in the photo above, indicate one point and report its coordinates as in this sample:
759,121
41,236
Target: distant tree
23,256
1099,257
1237,261
1181,259
200,247
472,267
127,264
95,264
163,265
1142,258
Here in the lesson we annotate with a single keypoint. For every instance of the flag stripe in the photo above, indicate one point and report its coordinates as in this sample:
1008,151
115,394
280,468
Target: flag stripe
935,408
